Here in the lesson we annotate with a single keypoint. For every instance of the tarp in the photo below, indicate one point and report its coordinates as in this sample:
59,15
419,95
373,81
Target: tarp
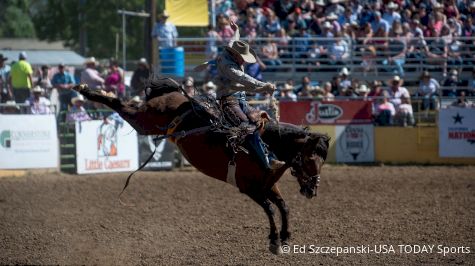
51,58
188,13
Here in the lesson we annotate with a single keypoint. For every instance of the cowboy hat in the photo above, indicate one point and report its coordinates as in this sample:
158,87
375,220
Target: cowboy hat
78,98
394,79
392,5
90,60
287,87
2,58
362,88
327,25
425,74
320,3
143,61
243,50
438,5
22,55
332,16
164,14
344,72
136,99
37,89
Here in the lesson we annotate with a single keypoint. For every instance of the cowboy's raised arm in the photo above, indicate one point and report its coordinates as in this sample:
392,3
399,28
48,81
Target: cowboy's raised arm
236,35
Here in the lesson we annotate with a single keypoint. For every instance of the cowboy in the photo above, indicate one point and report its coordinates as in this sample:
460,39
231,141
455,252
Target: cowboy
232,84
164,31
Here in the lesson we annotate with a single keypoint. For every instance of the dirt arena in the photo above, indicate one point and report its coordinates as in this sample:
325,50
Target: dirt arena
187,218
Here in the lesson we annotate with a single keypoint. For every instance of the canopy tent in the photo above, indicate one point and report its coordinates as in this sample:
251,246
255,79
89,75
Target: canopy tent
46,57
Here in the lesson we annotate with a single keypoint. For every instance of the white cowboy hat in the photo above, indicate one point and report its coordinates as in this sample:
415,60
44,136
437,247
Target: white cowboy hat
78,98
362,88
327,25
395,79
243,50
164,14
454,72
392,5
288,87
345,71
332,16
320,3
37,89
90,60
143,61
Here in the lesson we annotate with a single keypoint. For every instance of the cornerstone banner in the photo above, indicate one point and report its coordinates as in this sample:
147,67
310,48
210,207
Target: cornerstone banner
457,132
164,156
354,143
108,145
28,141
327,113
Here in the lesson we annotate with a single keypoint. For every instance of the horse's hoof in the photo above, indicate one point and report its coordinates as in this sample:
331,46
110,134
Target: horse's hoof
276,249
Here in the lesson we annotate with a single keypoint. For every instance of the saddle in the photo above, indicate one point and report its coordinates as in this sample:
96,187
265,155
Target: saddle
252,119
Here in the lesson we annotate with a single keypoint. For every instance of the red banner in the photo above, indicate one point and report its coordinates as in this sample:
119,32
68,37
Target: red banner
329,113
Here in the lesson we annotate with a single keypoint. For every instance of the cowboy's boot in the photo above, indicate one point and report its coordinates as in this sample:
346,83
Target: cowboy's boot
255,143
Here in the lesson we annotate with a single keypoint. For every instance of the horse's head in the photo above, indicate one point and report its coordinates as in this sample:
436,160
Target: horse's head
307,164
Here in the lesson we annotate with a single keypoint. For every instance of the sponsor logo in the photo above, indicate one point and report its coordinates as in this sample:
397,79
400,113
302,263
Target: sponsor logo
10,137
329,111
354,142
5,139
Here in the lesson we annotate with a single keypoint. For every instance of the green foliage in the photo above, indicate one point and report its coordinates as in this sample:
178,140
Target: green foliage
99,20
15,19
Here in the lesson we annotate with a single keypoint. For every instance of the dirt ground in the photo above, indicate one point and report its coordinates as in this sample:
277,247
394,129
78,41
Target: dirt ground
187,218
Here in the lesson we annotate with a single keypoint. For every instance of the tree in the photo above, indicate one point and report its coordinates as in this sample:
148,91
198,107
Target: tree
15,19
98,20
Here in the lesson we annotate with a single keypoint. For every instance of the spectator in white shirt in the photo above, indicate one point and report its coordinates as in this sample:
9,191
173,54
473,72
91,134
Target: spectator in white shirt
39,105
396,91
428,88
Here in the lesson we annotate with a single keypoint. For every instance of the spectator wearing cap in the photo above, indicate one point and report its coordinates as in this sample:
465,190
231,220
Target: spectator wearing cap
4,74
428,90
345,80
286,92
21,78
140,77
452,84
63,81
396,91
39,105
380,25
90,76
363,92
77,111
392,14
164,31
333,19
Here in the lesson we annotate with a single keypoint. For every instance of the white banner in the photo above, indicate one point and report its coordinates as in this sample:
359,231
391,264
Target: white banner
457,132
354,143
104,146
28,141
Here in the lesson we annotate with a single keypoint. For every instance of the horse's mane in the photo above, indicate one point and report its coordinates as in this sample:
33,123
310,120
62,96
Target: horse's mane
288,132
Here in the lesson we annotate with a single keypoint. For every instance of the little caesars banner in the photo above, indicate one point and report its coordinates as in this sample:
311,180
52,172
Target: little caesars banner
457,132
28,141
106,146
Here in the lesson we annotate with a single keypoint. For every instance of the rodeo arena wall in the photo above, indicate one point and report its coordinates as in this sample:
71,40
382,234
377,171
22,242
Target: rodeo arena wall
111,145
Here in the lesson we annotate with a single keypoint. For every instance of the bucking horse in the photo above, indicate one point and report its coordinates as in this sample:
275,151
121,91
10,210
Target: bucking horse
169,111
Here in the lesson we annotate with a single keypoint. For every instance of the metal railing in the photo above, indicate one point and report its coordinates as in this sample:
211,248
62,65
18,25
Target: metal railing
365,59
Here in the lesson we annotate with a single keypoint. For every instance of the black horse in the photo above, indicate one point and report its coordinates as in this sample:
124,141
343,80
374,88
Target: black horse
168,111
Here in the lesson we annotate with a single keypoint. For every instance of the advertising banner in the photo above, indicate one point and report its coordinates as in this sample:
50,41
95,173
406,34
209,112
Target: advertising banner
164,157
457,132
28,141
328,113
104,146
354,143
188,13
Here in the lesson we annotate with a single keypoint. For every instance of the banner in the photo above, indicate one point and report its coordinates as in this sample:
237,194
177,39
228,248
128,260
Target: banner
187,13
164,157
354,143
104,146
329,113
457,132
28,141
